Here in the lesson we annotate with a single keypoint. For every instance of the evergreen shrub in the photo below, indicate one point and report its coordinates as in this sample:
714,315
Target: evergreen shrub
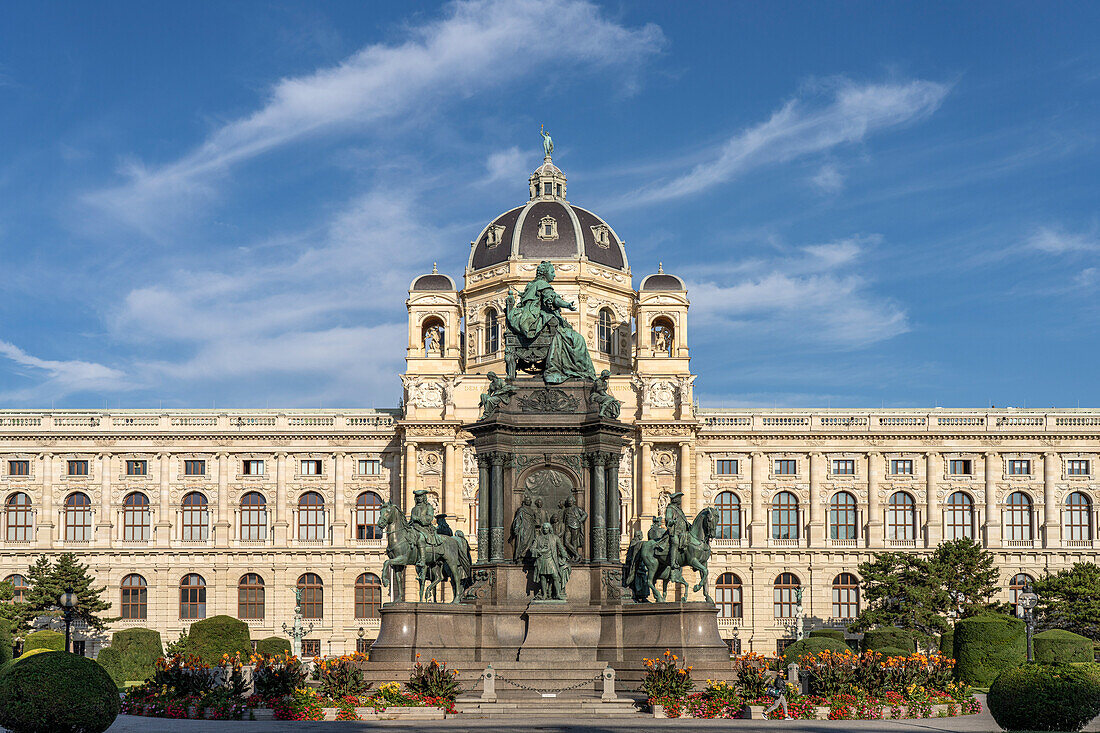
216,636
889,636
1046,697
132,655
827,634
947,643
44,639
6,641
986,645
811,645
272,646
1058,646
56,692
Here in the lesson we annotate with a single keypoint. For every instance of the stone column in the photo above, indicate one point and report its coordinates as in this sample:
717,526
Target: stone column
164,523
685,480
992,511
103,523
645,474
339,504
934,533
1052,525
223,529
452,484
597,515
815,536
496,508
484,500
281,523
410,477
44,524
614,511
758,523
875,536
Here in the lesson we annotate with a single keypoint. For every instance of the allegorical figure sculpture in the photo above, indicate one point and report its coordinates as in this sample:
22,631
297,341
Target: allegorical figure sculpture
573,518
524,525
564,355
551,566
638,589
547,141
498,395
607,405
677,525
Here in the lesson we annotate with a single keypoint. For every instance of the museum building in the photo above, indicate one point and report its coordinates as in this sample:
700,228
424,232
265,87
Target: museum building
184,514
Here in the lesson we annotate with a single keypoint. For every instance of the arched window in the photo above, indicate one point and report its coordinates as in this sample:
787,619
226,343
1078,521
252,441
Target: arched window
196,518
842,517
605,332
78,517
368,596
367,508
662,336
492,331
845,596
1016,586
1078,517
19,518
785,516
960,516
20,586
136,518
250,597
901,517
192,597
253,516
311,516
135,597
786,595
313,596
727,594
729,516
1018,516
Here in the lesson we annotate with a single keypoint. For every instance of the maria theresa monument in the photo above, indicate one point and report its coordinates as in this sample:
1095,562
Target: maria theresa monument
548,487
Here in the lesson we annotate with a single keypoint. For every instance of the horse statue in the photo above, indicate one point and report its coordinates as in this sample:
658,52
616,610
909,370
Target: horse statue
650,562
448,560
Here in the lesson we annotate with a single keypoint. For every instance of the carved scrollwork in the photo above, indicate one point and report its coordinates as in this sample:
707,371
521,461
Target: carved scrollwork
548,400
483,581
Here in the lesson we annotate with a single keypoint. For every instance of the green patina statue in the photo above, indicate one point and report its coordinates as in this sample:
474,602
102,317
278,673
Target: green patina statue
539,339
498,395
551,564
668,550
608,406
427,542
547,141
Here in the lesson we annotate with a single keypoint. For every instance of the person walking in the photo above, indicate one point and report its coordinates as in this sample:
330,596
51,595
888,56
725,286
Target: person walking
778,692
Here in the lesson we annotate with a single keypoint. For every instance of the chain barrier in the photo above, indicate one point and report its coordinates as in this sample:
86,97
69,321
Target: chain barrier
577,686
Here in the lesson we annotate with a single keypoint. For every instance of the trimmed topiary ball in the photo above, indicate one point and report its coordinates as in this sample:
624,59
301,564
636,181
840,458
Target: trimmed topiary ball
888,637
894,651
797,650
216,636
987,645
273,645
1045,697
57,692
1061,647
836,634
132,655
44,639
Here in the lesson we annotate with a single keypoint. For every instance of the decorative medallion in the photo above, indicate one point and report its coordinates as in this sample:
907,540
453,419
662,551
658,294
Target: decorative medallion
548,400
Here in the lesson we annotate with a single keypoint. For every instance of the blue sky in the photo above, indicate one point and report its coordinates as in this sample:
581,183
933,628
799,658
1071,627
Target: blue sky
873,203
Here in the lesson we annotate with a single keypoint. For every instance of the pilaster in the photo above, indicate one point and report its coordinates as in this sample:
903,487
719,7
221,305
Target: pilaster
1052,525
162,532
875,536
223,529
281,523
103,522
933,463
340,519
992,510
815,534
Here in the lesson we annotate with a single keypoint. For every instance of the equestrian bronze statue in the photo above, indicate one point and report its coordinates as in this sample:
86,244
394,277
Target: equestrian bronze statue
418,542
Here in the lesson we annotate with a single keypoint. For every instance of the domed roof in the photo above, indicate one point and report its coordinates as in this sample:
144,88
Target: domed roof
661,281
548,227
433,281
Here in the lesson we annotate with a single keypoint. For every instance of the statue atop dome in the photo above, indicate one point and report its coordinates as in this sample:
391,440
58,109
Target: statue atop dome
547,141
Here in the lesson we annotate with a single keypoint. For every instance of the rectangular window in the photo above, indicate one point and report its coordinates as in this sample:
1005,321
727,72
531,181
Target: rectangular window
960,467
79,647
311,468
844,467
901,467
194,468
252,468
370,467
137,468
1077,468
786,467
1019,468
78,468
726,467
19,468
311,648
362,646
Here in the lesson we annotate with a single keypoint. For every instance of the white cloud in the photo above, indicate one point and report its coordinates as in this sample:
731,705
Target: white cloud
1058,241
507,165
798,129
55,379
828,180
480,44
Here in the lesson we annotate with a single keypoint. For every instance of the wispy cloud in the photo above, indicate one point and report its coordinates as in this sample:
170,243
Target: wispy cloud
828,179
801,128
1056,241
480,44
55,379
506,165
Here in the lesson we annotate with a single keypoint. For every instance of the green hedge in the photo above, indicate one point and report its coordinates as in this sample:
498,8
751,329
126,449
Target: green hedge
1059,697
947,643
987,645
888,637
6,641
836,634
45,639
893,651
1061,647
132,655
273,645
58,693
211,638
811,646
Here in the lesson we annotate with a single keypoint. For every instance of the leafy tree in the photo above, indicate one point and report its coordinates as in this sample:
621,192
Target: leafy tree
48,581
967,573
10,611
902,589
1070,599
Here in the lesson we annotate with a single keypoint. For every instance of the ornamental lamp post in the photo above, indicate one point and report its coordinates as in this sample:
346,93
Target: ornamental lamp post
1027,601
68,605
360,633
